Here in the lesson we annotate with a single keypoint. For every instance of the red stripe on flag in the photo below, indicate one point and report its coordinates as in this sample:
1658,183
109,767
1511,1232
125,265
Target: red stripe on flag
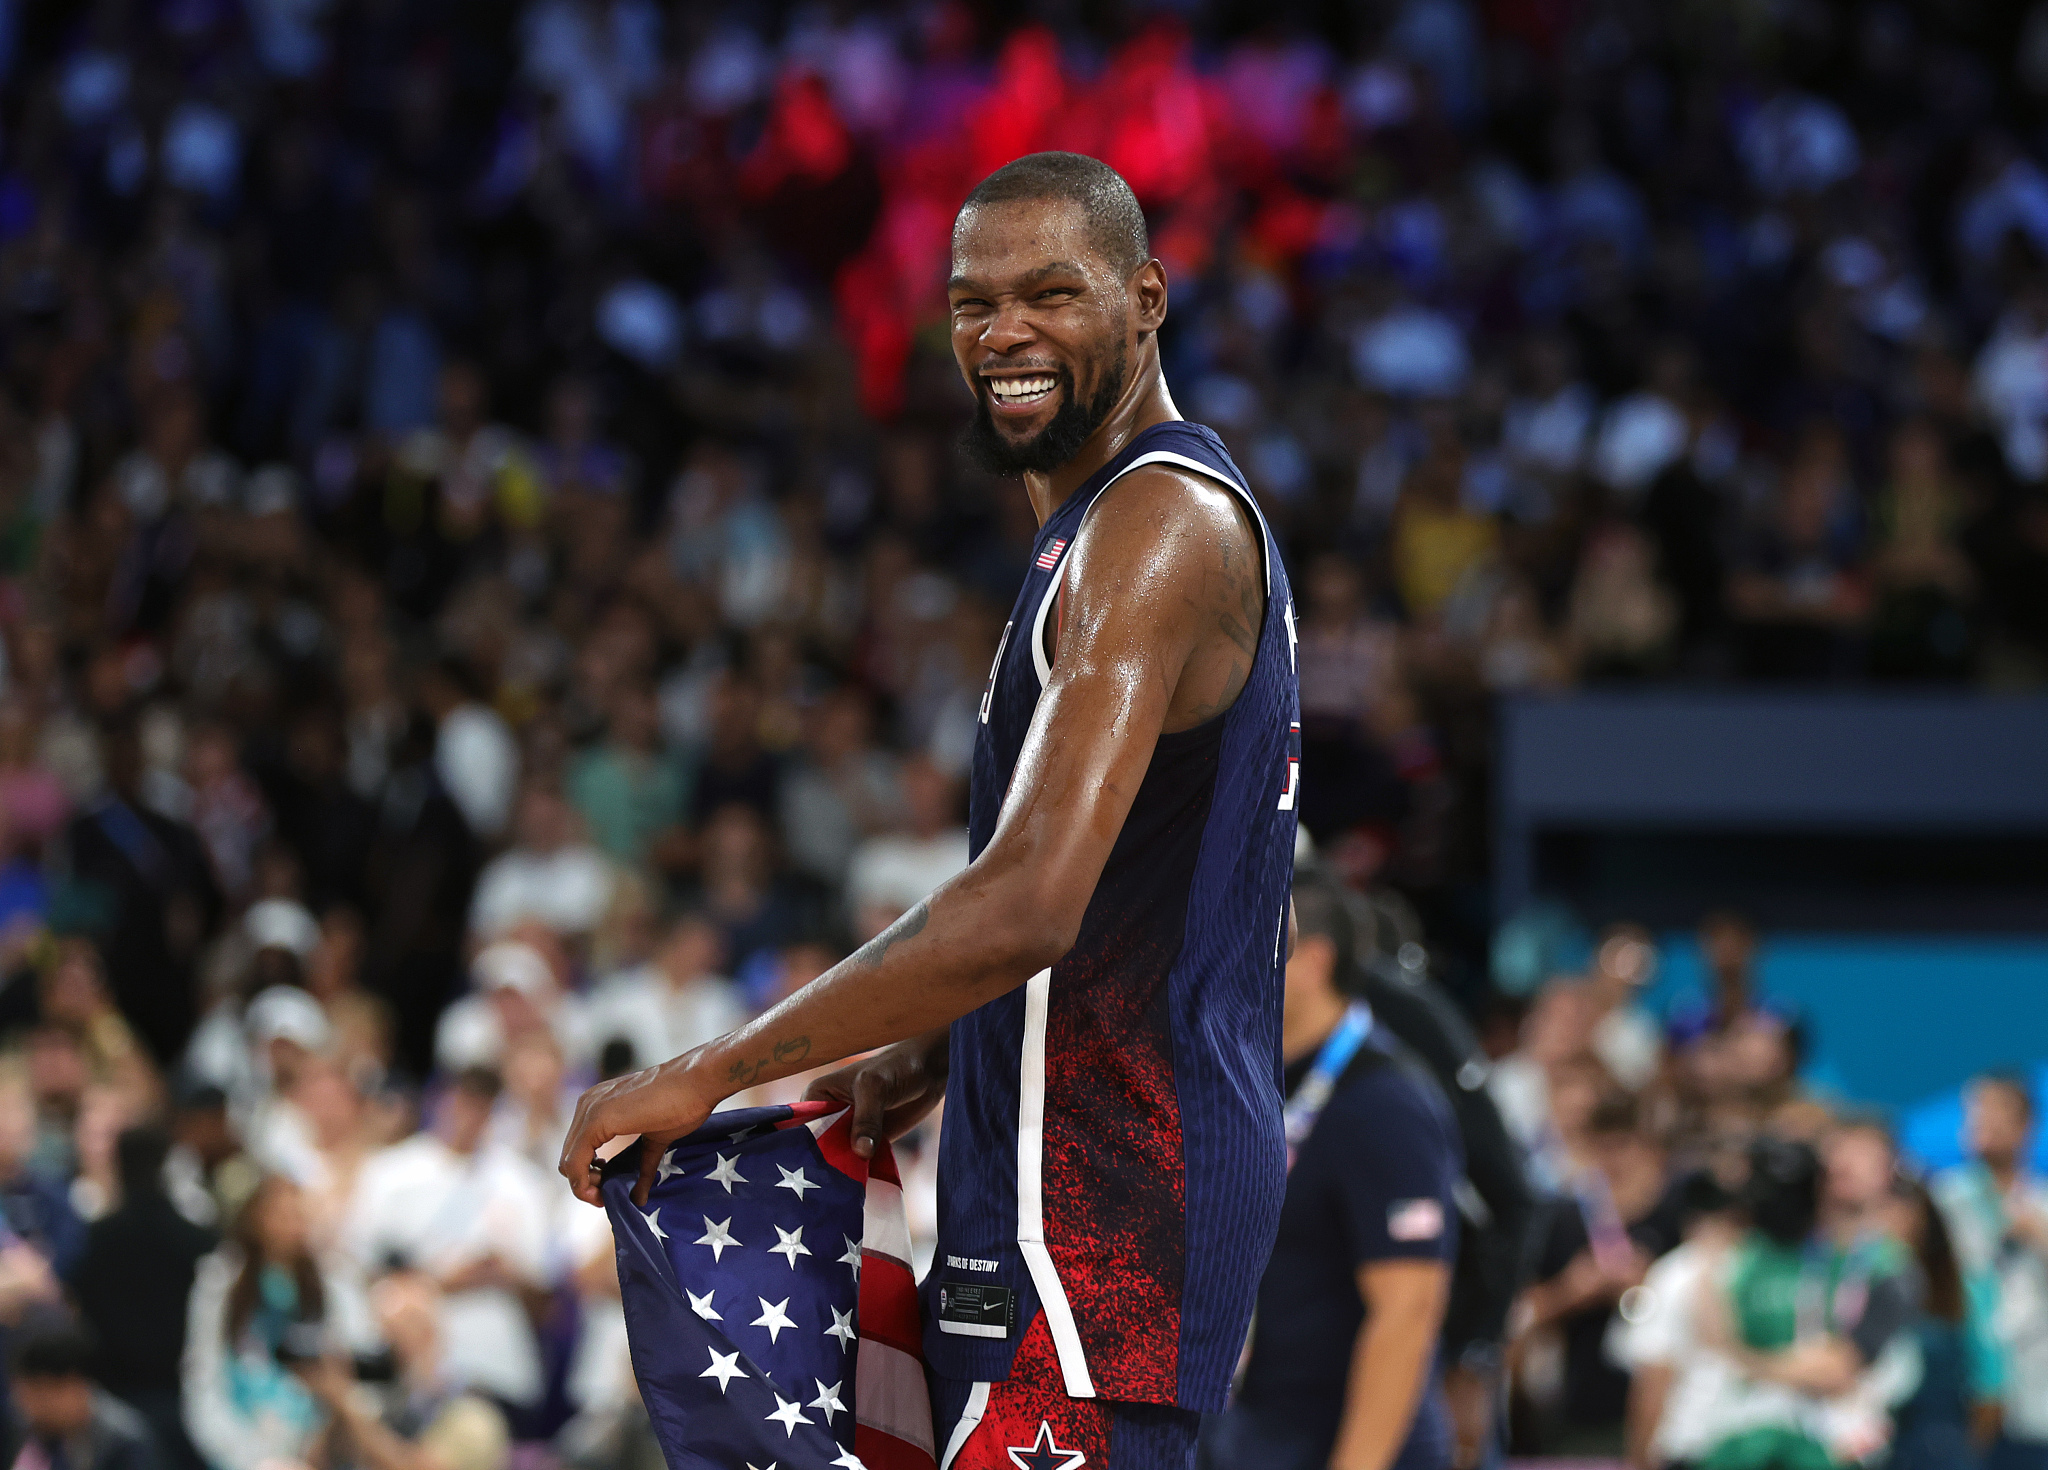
836,1144
888,1305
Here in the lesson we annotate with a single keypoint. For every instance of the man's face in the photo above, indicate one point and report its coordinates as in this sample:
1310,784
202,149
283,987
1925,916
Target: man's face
54,1407
1859,1167
1043,328
1995,1124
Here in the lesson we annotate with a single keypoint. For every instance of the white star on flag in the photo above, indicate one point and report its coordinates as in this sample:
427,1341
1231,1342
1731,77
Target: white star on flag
852,1256
718,1237
653,1219
774,1319
791,1245
728,1172
724,1367
841,1328
770,1466
847,1461
788,1415
667,1167
827,1402
701,1305
742,1136
794,1181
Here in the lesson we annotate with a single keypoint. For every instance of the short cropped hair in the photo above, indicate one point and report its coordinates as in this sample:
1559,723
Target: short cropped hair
52,1346
1321,911
1115,221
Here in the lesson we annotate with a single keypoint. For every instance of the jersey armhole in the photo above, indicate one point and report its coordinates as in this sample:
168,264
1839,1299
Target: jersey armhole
1045,640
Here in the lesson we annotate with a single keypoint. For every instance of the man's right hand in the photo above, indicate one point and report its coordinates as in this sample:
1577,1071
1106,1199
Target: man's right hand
890,1091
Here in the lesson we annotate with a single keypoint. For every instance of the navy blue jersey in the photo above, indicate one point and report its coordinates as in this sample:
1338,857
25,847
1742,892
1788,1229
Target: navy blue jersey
1112,1153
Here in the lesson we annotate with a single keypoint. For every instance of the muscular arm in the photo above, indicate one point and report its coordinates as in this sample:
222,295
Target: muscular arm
1153,638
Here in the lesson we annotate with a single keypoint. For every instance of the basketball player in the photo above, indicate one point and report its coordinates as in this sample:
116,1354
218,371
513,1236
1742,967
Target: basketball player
1097,997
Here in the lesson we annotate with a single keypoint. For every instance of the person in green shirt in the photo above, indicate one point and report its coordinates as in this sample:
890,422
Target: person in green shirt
1817,1301
630,789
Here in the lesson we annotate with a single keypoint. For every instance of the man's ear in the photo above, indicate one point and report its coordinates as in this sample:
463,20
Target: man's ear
1148,297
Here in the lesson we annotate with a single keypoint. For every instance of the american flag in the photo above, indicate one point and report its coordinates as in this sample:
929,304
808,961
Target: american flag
769,1301
1050,557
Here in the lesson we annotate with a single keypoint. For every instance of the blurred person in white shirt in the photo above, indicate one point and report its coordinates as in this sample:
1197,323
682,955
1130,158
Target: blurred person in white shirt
475,754
515,990
477,1218
551,873
890,873
1557,1029
678,999
1675,1375
532,1115
277,936
287,1030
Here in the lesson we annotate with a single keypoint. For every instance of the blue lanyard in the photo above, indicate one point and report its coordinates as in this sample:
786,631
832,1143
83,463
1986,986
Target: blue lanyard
1299,1116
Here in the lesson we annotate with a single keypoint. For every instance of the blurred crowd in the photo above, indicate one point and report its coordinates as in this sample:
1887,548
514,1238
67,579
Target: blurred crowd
1729,1270
488,600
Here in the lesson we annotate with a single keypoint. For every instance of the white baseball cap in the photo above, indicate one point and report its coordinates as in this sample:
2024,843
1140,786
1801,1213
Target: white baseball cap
281,923
286,1013
512,964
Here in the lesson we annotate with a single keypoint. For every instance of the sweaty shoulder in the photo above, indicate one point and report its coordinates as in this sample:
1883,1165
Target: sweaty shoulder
1175,558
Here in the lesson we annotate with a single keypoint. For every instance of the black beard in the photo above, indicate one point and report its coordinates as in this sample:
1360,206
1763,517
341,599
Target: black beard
1053,445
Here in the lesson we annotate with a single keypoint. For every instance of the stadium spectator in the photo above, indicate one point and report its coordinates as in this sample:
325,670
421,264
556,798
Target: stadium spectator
549,875
68,1419
475,1217
1958,1362
1677,1377
424,1420
676,1000
1996,1212
36,1205
151,874
261,1306
1612,1219
516,992
891,871
132,1283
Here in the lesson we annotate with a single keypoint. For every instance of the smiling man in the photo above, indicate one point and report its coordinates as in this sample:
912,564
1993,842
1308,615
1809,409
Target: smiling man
1097,997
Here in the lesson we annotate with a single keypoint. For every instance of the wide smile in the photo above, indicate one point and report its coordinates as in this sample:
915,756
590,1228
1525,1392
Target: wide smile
1022,395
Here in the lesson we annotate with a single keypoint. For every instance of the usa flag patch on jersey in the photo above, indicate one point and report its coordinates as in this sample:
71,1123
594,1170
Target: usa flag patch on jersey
1050,557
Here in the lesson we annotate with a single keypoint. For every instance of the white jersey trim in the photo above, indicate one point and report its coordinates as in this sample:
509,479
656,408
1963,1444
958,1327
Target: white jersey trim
970,1420
1157,456
1052,1296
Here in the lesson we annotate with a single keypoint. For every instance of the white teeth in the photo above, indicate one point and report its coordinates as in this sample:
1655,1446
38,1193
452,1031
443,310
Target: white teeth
1021,390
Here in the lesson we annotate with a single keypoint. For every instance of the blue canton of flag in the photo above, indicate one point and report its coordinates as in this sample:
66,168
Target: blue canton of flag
744,1304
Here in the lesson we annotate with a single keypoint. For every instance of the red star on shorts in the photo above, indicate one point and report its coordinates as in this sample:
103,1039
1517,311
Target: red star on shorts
1043,1454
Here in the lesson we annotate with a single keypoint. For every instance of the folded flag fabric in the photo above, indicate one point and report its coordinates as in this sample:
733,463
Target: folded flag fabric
769,1301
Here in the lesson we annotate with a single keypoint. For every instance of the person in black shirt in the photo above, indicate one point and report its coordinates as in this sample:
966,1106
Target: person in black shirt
1343,1365
132,1283
1500,1210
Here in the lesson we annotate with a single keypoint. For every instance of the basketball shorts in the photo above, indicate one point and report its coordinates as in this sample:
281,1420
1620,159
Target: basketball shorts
1029,1422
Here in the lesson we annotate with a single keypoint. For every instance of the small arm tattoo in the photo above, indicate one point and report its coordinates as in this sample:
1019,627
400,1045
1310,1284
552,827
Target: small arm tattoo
791,1049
